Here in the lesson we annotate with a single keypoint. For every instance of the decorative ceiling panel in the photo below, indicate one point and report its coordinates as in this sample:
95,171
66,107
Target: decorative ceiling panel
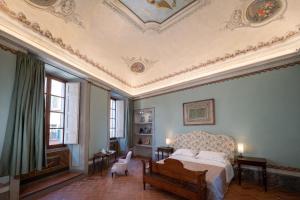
156,11
65,9
256,13
155,14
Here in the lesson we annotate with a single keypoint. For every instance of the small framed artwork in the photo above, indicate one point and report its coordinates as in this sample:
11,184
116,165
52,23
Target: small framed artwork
199,112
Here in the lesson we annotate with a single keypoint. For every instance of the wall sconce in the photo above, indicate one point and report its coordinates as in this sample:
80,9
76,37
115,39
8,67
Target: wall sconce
241,149
168,141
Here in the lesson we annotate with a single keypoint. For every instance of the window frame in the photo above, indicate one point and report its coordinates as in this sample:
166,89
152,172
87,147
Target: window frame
115,118
48,95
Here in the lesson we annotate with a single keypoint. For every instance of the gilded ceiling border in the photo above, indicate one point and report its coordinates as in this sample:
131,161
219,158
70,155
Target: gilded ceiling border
21,17
6,48
245,75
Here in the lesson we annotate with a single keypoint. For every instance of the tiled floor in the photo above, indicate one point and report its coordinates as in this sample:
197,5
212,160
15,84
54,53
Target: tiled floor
130,188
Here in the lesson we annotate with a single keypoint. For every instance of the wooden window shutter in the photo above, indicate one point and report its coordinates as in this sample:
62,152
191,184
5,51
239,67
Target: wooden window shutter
72,113
120,118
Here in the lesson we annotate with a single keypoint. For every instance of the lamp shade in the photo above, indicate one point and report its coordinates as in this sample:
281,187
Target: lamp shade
240,147
168,141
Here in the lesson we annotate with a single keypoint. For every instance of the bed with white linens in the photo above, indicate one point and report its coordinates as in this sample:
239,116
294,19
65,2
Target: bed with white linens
199,151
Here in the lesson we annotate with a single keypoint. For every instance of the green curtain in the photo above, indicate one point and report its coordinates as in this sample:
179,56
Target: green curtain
23,148
129,122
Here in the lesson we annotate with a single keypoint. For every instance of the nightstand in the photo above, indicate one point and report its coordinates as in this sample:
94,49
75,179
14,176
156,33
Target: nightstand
162,150
252,161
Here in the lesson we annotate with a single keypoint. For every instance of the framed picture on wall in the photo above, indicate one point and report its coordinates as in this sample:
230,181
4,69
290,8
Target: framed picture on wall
199,112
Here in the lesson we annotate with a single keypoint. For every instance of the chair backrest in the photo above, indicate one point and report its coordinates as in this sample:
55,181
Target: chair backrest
128,156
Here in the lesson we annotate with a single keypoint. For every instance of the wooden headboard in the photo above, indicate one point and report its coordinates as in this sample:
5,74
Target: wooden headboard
203,141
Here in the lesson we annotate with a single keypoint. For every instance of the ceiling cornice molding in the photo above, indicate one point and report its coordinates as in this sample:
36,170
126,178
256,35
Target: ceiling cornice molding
6,48
263,68
58,42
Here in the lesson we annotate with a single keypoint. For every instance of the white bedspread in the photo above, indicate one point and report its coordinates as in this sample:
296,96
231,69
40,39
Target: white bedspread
215,188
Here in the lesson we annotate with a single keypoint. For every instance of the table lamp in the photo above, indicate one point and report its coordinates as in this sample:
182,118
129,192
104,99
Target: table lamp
241,149
168,141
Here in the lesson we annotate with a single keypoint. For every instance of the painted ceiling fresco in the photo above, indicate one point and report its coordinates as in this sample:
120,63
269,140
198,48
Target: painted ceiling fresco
156,10
43,2
259,11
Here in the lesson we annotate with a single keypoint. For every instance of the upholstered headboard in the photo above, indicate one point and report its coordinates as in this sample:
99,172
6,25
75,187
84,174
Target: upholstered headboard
204,141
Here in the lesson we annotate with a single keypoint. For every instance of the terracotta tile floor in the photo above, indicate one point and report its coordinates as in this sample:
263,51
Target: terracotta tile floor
98,187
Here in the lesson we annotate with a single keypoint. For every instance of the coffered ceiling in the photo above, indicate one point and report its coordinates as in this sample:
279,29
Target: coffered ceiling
154,45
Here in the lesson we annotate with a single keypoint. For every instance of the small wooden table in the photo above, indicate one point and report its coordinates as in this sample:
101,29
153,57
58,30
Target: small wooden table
167,150
112,153
102,156
252,161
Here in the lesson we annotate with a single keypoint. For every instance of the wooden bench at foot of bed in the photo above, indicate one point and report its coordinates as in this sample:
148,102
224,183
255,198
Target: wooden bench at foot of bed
173,177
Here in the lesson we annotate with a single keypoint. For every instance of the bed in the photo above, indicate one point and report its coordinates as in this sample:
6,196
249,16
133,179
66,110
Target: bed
219,171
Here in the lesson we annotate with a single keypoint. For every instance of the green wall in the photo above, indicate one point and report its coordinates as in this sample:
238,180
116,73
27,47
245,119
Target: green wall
261,111
7,76
98,120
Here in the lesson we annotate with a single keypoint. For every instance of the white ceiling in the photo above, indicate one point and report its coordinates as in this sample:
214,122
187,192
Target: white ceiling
184,51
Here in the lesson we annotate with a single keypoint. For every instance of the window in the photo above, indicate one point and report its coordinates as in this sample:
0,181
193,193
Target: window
113,113
55,111
116,118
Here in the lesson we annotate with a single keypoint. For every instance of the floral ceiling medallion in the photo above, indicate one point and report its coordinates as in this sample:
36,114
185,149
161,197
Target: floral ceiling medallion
138,65
259,11
155,15
256,13
64,9
43,3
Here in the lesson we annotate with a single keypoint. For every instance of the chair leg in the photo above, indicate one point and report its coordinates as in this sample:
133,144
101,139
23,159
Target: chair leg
126,172
144,185
112,175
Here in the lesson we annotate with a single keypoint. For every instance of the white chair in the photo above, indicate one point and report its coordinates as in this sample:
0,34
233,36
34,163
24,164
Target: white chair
121,166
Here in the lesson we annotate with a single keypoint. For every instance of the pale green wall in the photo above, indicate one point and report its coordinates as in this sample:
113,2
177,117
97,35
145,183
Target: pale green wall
98,120
262,111
7,76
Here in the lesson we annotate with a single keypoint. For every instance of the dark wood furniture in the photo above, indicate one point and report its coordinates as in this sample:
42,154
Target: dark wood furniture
112,153
162,150
173,177
102,158
252,161
57,161
114,145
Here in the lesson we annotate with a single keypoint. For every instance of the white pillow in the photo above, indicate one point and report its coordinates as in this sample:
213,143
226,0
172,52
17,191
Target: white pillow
184,152
211,155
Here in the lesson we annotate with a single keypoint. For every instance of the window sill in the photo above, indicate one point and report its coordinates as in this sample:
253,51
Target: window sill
116,138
